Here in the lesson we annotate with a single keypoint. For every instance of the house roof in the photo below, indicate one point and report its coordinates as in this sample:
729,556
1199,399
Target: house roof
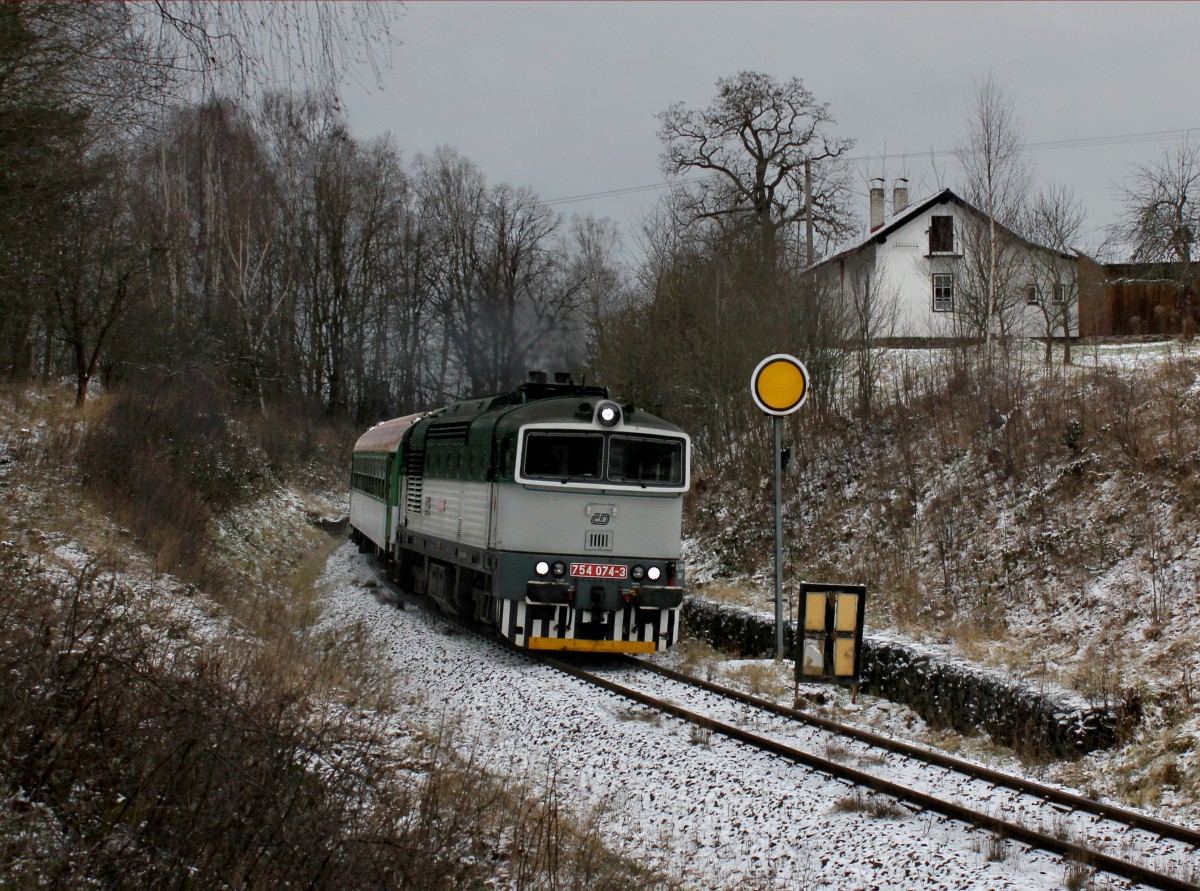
890,224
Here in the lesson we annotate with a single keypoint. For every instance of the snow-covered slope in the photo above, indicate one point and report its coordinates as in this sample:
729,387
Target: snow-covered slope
692,803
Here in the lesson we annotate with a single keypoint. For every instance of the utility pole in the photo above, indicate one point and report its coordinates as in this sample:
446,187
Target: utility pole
808,220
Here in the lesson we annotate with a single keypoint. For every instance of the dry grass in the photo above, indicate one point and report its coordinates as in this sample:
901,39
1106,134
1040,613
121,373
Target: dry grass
737,593
836,750
878,806
996,849
142,759
1077,876
695,657
769,680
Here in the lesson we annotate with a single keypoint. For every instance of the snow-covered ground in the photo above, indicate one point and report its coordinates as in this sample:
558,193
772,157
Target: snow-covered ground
693,804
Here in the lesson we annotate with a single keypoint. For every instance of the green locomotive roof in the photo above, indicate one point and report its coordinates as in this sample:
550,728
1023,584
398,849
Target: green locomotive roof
479,421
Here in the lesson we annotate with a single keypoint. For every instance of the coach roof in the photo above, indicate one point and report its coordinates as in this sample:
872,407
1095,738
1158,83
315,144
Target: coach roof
386,436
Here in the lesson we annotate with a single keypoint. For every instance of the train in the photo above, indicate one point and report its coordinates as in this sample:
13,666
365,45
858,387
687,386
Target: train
552,513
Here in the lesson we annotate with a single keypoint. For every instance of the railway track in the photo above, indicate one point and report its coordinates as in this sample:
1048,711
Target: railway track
1107,838
1123,843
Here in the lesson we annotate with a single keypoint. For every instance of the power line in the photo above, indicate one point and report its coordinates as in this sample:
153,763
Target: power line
1080,142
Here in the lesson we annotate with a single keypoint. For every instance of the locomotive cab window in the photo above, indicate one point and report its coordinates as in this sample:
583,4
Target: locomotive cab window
645,460
563,456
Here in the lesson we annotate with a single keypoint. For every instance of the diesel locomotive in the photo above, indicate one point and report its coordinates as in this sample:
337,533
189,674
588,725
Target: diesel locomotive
552,513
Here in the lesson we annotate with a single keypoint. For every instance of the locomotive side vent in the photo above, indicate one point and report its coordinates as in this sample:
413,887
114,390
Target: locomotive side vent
416,464
449,430
598,541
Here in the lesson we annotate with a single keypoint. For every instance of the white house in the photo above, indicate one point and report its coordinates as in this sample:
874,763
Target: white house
929,261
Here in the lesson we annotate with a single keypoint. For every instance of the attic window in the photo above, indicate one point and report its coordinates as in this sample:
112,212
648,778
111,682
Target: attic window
941,235
1031,296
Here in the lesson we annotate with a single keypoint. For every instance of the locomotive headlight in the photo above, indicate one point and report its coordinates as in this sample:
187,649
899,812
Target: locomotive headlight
608,414
542,567
559,568
637,572
654,573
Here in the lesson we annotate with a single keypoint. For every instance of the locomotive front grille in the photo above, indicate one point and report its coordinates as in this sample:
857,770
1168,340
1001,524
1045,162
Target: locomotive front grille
597,541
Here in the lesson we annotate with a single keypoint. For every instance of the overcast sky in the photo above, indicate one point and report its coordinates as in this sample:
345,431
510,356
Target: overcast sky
562,97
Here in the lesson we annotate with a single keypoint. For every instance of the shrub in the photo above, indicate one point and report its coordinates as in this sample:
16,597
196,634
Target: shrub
134,757
165,458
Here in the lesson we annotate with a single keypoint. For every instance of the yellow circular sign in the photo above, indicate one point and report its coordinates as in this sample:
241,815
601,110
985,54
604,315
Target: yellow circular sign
779,384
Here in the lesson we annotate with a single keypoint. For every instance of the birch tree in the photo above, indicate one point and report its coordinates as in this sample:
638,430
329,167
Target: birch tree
997,177
1056,219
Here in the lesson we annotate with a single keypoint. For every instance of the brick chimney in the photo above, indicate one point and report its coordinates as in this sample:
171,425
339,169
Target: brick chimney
876,204
900,195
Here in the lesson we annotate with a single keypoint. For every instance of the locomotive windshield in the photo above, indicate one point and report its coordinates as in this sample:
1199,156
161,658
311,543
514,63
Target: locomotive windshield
640,459
622,459
562,456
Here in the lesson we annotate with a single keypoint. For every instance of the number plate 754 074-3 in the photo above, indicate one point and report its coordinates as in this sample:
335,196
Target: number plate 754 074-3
599,571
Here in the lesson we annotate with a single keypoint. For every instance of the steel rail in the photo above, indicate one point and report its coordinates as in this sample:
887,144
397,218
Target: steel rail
1033,788
1016,832
1039,840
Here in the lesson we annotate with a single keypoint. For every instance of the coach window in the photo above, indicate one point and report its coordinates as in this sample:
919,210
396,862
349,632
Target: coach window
943,292
564,456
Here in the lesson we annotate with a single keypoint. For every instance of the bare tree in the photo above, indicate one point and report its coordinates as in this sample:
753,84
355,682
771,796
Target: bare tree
997,177
1161,219
245,47
67,92
93,271
508,280
452,196
990,281
596,244
81,81
755,139
873,310
1055,221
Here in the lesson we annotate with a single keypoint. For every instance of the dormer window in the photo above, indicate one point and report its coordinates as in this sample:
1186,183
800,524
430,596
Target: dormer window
941,235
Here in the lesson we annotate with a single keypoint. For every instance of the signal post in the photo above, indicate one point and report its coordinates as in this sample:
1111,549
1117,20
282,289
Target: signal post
779,386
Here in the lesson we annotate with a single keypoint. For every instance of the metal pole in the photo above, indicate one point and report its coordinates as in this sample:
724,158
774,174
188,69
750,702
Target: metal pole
778,543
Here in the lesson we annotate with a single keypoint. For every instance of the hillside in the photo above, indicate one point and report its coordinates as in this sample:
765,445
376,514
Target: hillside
174,712
1041,522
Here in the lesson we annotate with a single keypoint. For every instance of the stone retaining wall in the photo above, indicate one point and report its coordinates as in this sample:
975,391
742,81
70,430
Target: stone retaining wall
943,692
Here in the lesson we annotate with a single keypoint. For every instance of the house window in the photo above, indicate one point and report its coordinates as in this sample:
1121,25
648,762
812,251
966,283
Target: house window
1060,293
943,292
1031,296
941,235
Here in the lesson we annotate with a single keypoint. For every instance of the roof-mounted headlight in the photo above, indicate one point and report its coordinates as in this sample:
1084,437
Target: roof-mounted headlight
608,414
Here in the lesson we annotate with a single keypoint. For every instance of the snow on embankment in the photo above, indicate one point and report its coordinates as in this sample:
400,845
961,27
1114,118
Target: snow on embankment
943,691
689,802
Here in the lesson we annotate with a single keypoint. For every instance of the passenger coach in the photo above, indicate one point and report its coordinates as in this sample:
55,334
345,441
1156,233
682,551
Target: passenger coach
552,513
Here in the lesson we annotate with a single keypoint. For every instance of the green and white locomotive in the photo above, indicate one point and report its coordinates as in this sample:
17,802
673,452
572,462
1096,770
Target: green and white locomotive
552,513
